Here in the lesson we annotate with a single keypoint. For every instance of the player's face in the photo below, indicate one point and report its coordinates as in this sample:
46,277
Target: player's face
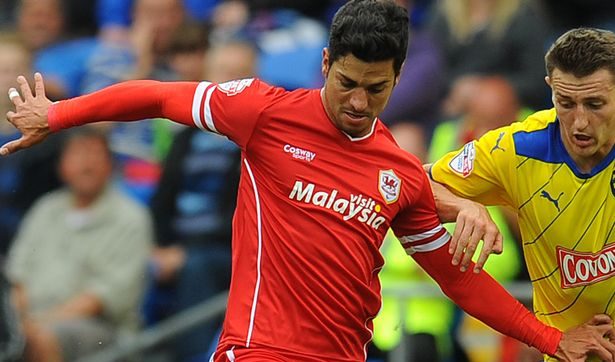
586,111
355,92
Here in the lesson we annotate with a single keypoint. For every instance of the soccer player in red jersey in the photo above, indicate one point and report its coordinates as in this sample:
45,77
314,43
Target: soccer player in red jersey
322,182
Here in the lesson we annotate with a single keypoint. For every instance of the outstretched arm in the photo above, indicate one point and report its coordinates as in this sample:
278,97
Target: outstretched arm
36,116
484,298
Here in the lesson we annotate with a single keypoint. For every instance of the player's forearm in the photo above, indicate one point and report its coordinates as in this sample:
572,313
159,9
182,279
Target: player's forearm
485,299
448,204
128,101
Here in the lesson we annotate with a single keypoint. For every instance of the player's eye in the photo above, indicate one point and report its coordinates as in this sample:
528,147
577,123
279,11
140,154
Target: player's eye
566,104
347,85
594,105
375,90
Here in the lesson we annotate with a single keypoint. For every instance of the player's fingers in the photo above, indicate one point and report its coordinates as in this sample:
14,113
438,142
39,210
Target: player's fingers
498,245
605,350
470,249
456,234
461,244
600,319
39,85
15,97
26,92
12,147
488,244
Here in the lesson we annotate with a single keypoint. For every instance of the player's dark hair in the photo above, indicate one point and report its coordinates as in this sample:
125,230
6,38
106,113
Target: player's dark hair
371,30
582,51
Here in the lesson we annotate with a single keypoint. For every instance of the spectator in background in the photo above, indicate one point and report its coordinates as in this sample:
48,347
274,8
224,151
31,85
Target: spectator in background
81,287
289,35
23,178
490,37
234,59
413,109
42,25
144,52
193,209
114,17
7,10
188,51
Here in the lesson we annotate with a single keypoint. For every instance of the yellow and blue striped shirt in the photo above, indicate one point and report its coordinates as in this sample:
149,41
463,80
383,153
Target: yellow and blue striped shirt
566,217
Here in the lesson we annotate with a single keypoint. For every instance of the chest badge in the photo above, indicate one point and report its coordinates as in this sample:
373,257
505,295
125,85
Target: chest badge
389,185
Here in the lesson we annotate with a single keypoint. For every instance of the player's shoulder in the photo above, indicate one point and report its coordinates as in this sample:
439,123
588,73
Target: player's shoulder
535,122
250,85
536,136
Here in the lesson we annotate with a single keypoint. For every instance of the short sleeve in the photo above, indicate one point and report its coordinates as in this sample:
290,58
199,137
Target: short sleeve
232,109
418,226
479,170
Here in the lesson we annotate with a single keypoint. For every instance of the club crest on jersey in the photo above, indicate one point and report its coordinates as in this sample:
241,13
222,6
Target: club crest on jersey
235,86
389,186
578,268
463,162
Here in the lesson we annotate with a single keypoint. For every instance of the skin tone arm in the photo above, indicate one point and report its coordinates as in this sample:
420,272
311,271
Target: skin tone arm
81,305
473,224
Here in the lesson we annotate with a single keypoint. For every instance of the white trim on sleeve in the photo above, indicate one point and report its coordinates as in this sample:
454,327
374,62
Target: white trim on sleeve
196,104
421,236
209,121
442,240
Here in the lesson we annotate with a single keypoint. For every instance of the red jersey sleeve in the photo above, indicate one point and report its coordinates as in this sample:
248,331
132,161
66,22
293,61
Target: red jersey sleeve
231,109
418,227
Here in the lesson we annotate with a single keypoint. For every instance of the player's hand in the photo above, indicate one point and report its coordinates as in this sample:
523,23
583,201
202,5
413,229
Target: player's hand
593,338
474,224
30,116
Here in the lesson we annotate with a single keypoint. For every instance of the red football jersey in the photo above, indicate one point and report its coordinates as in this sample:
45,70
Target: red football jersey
313,208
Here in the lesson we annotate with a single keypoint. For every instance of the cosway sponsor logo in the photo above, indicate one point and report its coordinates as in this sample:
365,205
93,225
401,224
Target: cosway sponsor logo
300,153
578,269
356,207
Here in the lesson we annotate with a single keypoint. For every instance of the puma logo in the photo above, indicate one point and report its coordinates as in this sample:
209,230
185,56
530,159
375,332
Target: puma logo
497,144
555,202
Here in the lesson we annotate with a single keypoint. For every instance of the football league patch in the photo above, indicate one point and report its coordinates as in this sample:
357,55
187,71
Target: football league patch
463,162
235,86
389,186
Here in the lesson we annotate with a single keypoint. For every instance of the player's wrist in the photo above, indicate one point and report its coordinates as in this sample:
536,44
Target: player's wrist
551,342
53,118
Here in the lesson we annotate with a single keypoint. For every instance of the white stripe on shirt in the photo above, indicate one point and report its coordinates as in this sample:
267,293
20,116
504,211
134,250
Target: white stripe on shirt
196,104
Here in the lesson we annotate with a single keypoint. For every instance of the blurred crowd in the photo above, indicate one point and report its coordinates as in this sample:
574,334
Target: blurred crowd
149,234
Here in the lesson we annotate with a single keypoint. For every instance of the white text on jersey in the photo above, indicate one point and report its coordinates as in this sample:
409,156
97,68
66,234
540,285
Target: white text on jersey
585,268
364,209
300,153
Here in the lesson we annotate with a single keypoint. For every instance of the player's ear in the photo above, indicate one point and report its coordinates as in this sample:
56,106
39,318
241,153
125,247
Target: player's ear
548,80
325,62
